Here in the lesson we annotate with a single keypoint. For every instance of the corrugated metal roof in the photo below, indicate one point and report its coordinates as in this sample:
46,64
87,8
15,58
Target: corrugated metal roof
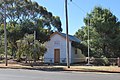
71,38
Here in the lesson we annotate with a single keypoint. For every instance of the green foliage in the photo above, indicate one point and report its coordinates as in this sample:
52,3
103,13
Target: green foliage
25,17
103,61
104,33
1,50
81,47
39,49
30,48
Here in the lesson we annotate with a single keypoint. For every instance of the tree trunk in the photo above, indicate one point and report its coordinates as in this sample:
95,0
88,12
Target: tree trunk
118,61
26,59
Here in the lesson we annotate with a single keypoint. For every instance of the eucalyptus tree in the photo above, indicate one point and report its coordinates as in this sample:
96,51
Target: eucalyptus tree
26,11
22,10
26,16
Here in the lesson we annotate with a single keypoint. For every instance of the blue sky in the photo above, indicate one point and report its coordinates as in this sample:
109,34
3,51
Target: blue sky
77,10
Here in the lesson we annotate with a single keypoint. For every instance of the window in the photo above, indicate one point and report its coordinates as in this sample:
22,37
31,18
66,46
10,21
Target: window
75,50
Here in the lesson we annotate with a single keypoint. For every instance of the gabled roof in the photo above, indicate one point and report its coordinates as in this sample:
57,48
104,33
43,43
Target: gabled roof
71,38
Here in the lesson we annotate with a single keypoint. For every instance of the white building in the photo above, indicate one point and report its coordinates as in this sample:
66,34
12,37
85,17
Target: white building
56,49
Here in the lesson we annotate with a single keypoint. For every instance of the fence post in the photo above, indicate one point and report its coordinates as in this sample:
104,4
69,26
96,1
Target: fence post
118,62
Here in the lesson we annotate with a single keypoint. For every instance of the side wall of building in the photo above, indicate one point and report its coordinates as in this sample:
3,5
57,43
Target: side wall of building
77,55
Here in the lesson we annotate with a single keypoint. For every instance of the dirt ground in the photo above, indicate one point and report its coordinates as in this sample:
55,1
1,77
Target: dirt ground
96,68
72,68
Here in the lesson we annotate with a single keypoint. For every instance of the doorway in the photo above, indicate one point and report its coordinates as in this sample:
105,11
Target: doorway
56,55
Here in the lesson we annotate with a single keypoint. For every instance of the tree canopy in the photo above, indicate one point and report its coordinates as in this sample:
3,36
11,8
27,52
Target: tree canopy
24,17
104,32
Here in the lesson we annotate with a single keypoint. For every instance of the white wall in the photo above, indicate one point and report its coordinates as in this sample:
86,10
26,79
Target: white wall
50,45
79,57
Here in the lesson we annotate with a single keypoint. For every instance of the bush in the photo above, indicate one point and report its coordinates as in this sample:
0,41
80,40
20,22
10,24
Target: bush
101,61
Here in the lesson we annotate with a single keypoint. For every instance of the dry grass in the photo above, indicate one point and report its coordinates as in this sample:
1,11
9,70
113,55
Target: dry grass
13,66
96,68
72,68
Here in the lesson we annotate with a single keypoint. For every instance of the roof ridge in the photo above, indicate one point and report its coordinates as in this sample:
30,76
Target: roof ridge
71,37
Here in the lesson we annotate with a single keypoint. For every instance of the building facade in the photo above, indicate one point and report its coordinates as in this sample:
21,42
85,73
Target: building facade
56,49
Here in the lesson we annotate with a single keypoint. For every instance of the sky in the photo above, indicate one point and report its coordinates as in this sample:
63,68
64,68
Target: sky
77,10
